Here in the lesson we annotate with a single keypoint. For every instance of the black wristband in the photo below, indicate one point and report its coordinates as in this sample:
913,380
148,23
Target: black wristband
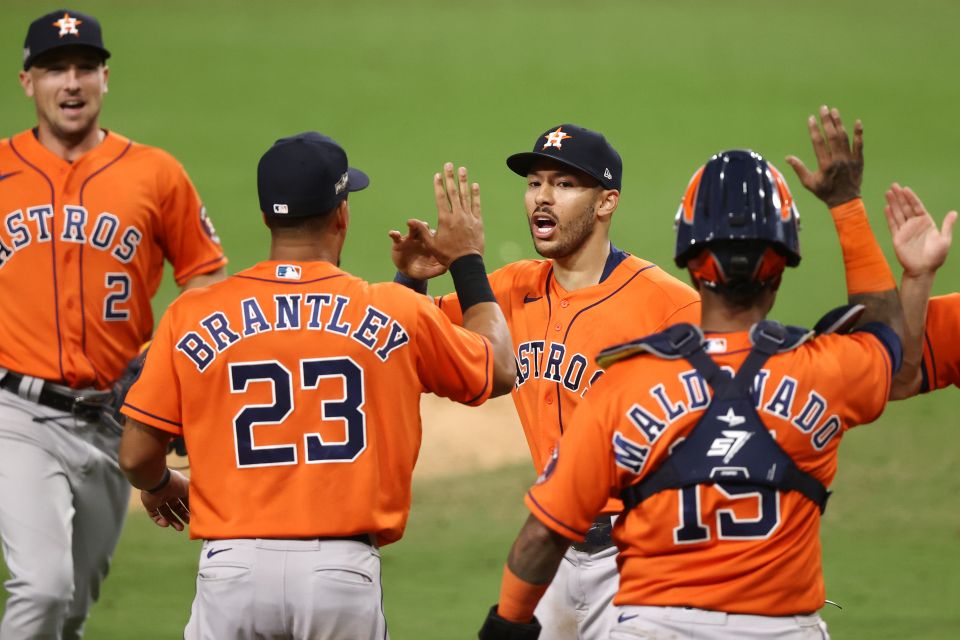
470,281
420,286
497,628
164,481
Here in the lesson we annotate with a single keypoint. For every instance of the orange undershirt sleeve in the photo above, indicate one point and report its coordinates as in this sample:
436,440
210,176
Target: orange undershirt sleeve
865,265
518,598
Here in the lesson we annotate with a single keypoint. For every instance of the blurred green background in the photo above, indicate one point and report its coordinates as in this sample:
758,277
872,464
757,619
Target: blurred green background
405,86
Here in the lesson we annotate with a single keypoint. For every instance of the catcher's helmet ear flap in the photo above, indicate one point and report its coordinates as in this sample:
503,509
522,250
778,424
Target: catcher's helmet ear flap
738,197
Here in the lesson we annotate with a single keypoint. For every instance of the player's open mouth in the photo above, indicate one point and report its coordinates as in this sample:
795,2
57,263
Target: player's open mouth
72,106
543,226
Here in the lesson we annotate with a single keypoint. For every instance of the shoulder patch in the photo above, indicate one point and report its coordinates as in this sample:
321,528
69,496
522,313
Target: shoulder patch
782,338
839,320
670,344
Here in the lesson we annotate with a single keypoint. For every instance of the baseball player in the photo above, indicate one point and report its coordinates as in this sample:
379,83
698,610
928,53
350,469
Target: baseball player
562,310
297,386
931,359
720,438
88,218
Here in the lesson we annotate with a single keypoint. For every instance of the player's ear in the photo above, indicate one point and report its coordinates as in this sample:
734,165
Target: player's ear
26,81
609,199
342,216
106,76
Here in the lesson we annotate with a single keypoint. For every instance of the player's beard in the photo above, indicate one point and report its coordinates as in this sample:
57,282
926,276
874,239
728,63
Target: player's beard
570,236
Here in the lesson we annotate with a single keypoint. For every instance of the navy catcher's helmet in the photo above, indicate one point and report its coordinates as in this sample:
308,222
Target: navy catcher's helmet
737,222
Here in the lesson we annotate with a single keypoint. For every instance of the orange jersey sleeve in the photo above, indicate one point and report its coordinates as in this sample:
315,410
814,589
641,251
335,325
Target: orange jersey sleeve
84,243
190,241
716,547
297,387
941,347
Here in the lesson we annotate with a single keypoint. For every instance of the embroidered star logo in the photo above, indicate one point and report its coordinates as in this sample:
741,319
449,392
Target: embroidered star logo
68,25
556,138
731,418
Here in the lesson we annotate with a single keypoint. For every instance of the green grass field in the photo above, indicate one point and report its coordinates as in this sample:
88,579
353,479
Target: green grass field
405,86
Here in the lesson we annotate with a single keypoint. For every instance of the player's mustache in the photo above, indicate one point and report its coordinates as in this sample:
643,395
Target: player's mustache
544,209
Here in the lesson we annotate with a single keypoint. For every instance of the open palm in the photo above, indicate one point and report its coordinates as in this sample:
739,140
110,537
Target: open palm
920,246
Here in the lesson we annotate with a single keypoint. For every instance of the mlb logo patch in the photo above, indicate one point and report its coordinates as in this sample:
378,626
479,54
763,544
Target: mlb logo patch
288,271
716,345
281,208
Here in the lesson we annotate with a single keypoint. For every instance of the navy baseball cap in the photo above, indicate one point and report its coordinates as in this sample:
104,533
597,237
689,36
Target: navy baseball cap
576,147
305,175
62,28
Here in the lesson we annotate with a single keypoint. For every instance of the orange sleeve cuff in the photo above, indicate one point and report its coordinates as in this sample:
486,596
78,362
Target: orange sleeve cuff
865,265
518,598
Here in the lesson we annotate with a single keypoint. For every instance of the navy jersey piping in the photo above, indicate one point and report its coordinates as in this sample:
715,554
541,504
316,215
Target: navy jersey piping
156,417
926,384
551,516
289,282
614,258
53,251
566,334
83,306
199,268
486,373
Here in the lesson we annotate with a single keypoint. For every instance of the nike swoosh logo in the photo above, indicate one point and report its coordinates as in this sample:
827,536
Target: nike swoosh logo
213,552
624,617
4,176
528,298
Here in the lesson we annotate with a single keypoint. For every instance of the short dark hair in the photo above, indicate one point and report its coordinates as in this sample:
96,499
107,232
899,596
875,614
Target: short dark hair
744,294
315,222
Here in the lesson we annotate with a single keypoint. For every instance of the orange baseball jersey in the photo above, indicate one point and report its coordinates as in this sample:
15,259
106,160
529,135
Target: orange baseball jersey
726,548
941,347
557,333
84,243
297,389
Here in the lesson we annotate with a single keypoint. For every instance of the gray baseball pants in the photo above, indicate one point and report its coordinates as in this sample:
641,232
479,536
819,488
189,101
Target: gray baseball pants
578,603
62,504
252,589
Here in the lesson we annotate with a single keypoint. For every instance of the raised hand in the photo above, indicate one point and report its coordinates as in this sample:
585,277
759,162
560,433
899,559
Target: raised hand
920,246
839,165
459,224
410,254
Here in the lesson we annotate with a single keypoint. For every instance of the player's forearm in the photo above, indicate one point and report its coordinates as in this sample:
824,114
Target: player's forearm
532,563
204,279
143,454
483,315
487,319
870,280
914,297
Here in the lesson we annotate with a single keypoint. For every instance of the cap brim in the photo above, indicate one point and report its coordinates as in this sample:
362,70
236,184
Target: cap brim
32,60
358,180
520,164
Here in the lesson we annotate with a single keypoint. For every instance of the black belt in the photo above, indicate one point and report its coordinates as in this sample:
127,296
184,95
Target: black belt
599,536
82,404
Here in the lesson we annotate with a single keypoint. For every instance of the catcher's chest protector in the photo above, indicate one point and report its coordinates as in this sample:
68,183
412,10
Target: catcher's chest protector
729,445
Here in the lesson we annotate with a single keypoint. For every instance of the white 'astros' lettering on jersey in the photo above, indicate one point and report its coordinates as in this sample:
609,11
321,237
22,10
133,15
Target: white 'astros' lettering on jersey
215,334
810,417
36,226
548,361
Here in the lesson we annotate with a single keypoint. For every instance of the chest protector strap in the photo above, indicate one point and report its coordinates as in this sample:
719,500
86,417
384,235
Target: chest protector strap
729,444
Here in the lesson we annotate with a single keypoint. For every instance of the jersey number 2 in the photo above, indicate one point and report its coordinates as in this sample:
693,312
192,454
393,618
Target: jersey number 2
348,409
118,292
692,528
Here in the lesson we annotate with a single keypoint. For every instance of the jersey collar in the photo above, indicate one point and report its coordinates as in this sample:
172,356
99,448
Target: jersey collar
28,144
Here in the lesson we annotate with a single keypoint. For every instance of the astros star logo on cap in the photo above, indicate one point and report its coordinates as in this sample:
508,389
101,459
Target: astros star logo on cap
555,138
68,25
